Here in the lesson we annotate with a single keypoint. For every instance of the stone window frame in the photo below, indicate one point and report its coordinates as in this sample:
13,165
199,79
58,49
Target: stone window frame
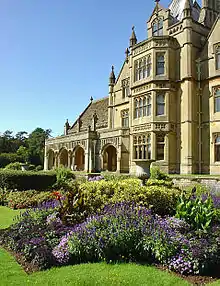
160,63
157,27
216,141
125,118
143,106
217,56
142,67
160,146
216,98
125,83
161,103
142,146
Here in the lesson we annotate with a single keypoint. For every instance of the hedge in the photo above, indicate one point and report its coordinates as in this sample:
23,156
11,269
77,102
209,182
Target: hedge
158,195
26,180
7,158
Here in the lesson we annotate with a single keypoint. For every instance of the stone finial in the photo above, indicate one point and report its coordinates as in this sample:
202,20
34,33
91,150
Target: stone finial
187,11
95,119
112,77
127,54
66,127
79,124
91,99
133,38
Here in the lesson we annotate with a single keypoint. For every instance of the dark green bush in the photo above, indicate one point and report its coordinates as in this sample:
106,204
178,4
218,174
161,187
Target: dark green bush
26,180
13,166
7,158
157,174
39,168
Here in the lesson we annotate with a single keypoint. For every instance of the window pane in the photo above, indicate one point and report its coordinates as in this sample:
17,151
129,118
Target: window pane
160,104
217,140
217,104
160,64
217,153
160,152
218,59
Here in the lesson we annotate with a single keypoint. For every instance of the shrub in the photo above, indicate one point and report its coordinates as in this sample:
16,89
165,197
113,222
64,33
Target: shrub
3,196
116,177
39,168
64,176
34,236
156,173
13,166
161,199
195,210
31,167
26,180
27,199
7,158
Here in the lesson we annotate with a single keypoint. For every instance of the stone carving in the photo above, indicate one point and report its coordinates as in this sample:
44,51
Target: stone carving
142,48
142,127
114,141
142,88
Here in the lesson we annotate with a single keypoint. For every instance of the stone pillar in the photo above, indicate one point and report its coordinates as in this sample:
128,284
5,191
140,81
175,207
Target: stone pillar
73,161
69,159
119,158
46,161
87,155
56,160
166,148
153,145
90,158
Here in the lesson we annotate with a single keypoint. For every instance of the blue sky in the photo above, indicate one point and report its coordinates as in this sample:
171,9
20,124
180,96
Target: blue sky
56,54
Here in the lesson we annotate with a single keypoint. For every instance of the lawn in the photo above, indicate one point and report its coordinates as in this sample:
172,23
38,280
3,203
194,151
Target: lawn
7,216
84,274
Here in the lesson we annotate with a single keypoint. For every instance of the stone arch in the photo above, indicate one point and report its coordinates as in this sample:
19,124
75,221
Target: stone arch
51,159
109,158
63,157
79,158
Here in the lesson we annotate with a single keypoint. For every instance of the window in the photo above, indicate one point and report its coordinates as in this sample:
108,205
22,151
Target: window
142,106
125,118
217,57
217,98
160,147
160,104
149,64
157,27
142,147
142,68
125,87
149,105
136,108
160,65
217,149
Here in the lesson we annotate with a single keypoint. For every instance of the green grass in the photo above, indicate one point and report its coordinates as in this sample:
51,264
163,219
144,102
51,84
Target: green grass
6,216
101,274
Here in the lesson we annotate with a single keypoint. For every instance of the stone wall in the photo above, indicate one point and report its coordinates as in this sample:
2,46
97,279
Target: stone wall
210,182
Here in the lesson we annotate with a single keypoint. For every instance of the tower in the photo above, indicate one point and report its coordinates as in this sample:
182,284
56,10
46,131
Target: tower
209,12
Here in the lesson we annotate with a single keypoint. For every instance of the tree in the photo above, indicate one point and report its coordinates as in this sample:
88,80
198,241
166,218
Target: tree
24,153
36,142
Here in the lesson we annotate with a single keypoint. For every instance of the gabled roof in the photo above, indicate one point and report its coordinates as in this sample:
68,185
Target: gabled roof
99,106
177,6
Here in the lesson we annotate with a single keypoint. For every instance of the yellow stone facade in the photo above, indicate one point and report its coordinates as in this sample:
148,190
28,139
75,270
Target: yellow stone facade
163,106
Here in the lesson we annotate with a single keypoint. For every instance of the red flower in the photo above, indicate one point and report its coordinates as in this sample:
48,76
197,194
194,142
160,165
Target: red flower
57,195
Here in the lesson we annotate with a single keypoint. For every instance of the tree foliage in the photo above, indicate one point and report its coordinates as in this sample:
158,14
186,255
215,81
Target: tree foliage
28,147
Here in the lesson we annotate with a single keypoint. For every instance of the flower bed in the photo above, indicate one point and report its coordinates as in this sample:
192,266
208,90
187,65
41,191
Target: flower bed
69,231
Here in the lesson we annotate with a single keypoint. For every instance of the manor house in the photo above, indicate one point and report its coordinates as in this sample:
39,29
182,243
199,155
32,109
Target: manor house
164,105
